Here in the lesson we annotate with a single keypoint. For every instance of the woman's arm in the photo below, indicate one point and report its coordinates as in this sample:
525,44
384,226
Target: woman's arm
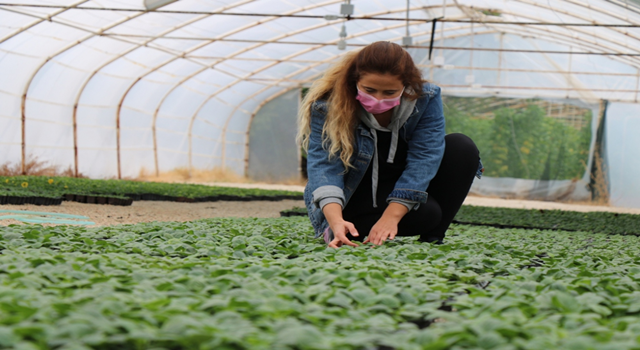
326,180
326,175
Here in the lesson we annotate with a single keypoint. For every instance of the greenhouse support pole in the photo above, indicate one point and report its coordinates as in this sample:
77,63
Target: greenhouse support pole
118,112
190,154
598,178
23,166
155,150
118,145
298,145
433,34
75,140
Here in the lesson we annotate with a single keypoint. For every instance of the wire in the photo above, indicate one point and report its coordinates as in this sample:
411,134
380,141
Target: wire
560,24
308,43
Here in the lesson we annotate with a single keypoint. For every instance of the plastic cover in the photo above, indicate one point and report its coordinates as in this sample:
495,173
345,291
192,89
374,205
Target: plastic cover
126,89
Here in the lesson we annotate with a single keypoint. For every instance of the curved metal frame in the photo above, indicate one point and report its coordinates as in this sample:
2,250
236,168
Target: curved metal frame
253,114
333,42
313,65
194,74
231,56
48,18
63,50
49,58
255,72
183,54
558,35
122,54
548,32
255,111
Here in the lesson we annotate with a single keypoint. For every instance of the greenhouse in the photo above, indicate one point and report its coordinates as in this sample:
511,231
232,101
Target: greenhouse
154,193
109,88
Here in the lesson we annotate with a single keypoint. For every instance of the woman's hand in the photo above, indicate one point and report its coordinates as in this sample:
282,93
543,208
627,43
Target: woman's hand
340,230
387,226
383,229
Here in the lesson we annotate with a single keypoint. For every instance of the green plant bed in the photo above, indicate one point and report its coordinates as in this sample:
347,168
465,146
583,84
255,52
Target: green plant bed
602,222
122,192
18,196
98,199
295,211
267,284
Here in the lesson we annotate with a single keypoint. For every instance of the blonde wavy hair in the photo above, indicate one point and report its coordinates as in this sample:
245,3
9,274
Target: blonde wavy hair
338,88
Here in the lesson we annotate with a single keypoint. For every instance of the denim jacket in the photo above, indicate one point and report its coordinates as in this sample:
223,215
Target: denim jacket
424,133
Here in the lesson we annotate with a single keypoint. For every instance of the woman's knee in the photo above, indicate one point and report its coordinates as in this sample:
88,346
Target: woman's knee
462,145
427,217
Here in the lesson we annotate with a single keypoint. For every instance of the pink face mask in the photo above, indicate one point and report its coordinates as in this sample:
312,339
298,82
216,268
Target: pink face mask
375,106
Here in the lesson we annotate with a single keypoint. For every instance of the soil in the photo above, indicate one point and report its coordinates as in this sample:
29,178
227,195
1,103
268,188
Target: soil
148,211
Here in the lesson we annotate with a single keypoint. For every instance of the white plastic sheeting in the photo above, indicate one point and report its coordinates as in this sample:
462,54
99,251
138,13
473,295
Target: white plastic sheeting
623,154
107,87
273,152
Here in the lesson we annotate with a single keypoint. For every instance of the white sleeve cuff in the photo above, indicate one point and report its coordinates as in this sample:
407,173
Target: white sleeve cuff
328,191
411,205
328,200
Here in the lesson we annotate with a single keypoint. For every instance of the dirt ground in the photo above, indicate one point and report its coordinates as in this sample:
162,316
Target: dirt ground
148,211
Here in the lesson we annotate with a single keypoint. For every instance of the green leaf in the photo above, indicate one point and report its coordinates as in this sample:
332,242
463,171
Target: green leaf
565,302
340,299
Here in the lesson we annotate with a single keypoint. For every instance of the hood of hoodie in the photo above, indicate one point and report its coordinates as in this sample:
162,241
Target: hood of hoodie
401,114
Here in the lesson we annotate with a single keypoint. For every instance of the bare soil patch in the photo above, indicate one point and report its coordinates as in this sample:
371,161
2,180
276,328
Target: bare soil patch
149,211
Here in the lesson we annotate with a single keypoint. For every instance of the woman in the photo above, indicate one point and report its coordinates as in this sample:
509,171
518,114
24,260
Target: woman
378,161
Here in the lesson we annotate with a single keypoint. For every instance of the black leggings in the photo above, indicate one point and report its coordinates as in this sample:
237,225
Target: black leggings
446,193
